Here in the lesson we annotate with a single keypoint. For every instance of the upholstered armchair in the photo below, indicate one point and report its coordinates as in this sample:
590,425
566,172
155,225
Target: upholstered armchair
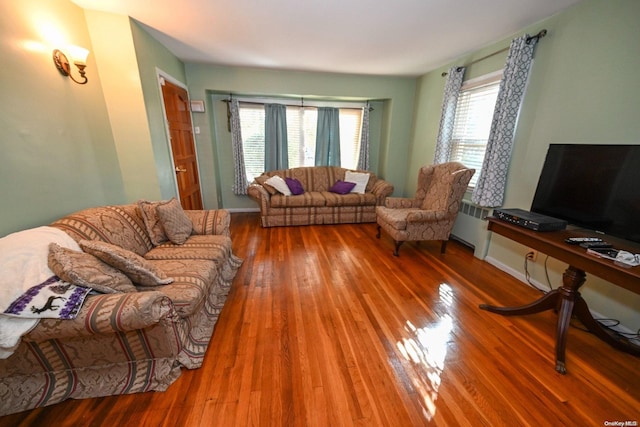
430,215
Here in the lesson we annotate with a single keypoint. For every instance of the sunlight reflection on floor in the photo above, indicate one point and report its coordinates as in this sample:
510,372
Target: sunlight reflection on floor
426,350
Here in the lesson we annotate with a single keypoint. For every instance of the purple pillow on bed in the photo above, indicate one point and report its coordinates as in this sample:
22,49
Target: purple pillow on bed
342,187
294,185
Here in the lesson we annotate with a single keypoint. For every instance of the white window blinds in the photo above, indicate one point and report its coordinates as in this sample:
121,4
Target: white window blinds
301,136
472,125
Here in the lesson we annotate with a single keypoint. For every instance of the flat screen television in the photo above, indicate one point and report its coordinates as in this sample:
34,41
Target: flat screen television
596,187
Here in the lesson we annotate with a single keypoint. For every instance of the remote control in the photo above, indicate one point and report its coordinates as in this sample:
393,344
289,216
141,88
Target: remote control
578,240
592,245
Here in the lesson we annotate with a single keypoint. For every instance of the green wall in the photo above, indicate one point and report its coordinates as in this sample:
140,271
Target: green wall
583,89
392,118
153,59
58,151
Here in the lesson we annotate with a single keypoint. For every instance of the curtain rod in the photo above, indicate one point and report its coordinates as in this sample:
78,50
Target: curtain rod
538,36
288,105
228,101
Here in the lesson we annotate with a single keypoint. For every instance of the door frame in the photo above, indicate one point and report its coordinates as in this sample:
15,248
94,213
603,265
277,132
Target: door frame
162,75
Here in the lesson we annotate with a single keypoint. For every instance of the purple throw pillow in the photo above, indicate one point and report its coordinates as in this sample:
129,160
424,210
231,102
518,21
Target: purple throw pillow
342,187
294,185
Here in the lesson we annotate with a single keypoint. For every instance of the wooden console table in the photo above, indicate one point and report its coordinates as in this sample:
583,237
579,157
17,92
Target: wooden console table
566,299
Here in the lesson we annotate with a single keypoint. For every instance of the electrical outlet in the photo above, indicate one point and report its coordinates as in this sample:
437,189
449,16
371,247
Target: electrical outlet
532,255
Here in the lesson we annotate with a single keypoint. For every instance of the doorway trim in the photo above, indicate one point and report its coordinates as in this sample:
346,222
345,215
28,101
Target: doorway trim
161,77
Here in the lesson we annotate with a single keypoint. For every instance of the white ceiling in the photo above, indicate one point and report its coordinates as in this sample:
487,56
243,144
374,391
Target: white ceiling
390,37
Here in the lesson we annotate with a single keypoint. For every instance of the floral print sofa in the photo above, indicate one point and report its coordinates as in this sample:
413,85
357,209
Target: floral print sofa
317,205
127,342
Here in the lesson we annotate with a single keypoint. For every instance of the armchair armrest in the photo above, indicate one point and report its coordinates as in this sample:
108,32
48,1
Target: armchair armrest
108,313
213,221
427,216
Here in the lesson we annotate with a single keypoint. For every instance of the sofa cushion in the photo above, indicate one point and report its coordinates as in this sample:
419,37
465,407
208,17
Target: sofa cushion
175,222
84,269
309,198
119,225
207,247
349,199
138,269
191,281
149,213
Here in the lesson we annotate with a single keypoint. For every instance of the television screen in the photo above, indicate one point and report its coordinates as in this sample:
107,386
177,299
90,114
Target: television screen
592,186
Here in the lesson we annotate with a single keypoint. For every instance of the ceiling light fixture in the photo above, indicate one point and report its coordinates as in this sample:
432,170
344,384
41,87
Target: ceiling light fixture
79,57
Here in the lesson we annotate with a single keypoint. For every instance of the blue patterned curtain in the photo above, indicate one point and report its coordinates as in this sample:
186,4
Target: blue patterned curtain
275,137
448,115
328,137
489,190
240,175
363,157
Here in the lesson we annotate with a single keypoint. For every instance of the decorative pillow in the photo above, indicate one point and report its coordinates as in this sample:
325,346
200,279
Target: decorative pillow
83,269
294,185
262,180
342,187
279,184
148,212
175,222
360,179
138,269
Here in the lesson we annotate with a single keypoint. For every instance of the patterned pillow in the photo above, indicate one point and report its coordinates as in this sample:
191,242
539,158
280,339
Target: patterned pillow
262,179
138,269
152,223
175,221
83,269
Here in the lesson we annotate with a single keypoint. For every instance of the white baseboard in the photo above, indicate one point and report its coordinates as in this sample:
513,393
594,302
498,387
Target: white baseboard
540,286
515,273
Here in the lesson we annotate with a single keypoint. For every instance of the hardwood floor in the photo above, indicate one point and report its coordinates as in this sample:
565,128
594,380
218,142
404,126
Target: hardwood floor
324,327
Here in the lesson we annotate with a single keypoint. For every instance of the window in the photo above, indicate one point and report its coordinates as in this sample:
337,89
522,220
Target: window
472,122
252,128
301,136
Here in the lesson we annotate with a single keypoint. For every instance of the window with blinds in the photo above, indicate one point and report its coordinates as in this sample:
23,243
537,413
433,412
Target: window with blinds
301,136
252,129
472,123
350,132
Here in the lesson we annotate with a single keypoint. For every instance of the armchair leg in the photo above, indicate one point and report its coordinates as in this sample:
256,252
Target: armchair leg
396,252
379,232
443,247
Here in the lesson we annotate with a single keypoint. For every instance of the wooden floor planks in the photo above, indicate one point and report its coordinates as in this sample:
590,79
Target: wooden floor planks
324,327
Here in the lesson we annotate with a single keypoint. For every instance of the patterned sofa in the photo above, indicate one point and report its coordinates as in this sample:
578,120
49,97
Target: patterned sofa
317,205
127,342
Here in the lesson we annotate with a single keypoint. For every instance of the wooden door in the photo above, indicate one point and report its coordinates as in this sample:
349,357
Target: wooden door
183,149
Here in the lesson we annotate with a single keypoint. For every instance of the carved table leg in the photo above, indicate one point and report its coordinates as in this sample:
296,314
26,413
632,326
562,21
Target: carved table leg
548,302
572,279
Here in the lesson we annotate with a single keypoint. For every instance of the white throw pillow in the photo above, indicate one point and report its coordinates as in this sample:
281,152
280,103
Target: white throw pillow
279,184
360,179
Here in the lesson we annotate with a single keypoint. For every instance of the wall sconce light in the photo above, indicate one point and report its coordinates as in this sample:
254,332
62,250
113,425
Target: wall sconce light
79,57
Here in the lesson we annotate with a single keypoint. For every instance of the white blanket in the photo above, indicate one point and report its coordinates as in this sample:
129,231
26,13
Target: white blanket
23,264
